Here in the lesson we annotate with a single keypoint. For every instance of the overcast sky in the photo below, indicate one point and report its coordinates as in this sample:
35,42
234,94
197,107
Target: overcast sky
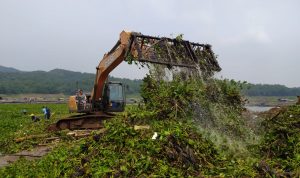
256,40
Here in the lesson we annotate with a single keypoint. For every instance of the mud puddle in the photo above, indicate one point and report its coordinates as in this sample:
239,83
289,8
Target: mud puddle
36,153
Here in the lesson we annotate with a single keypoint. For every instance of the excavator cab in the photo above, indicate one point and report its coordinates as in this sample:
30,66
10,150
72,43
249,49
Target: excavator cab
114,97
113,100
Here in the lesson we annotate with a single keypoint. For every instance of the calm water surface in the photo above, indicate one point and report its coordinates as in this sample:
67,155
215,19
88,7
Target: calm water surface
258,108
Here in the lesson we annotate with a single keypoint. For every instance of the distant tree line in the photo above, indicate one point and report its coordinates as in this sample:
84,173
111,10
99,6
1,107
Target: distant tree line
269,90
67,82
55,81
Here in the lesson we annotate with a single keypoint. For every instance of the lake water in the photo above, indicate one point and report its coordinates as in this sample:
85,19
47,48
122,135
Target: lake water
258,108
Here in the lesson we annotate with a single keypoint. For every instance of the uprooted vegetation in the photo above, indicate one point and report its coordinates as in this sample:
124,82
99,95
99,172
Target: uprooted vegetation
280,146
201,132
181,148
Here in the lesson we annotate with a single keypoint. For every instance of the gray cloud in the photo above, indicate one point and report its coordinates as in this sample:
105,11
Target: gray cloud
256,41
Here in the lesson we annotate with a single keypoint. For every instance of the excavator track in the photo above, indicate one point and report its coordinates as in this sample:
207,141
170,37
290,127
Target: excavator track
84,121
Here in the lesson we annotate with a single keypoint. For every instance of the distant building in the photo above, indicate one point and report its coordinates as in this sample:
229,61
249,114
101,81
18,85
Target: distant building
285,100
282,100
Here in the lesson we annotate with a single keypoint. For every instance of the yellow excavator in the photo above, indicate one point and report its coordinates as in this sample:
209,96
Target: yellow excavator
109,97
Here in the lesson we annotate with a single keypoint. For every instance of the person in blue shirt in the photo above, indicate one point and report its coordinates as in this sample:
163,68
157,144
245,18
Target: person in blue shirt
44,112
48,113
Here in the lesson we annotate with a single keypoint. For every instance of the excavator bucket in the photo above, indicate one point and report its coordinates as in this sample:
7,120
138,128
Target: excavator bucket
172,52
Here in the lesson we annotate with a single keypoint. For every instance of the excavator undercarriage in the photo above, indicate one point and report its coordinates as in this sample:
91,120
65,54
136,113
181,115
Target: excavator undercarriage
83,121
135,47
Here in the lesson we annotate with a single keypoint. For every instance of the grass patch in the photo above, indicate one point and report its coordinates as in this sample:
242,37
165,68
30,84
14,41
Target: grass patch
15,124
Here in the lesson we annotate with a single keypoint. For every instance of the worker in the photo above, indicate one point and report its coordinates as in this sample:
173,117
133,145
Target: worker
34,118
82,95
44,112
48,113
298,100
81,99
24,111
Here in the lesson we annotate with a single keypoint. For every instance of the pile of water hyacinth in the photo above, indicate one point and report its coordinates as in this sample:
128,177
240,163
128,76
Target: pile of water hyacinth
190,127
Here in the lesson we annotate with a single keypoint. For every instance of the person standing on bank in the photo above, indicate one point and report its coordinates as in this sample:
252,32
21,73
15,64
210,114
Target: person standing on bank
48,113
44,112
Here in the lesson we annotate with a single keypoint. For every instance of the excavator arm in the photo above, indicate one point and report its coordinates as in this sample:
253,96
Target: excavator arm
109,62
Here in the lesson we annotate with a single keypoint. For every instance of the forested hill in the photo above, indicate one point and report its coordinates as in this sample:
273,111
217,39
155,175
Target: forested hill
13,81
8,69
270,90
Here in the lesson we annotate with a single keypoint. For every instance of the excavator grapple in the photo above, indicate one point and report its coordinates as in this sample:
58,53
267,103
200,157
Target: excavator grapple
171,52
108,97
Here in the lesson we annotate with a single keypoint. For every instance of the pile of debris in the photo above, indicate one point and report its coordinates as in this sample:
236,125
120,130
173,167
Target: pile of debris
280,148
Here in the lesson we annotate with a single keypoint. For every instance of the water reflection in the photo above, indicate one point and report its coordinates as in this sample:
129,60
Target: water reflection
258,108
